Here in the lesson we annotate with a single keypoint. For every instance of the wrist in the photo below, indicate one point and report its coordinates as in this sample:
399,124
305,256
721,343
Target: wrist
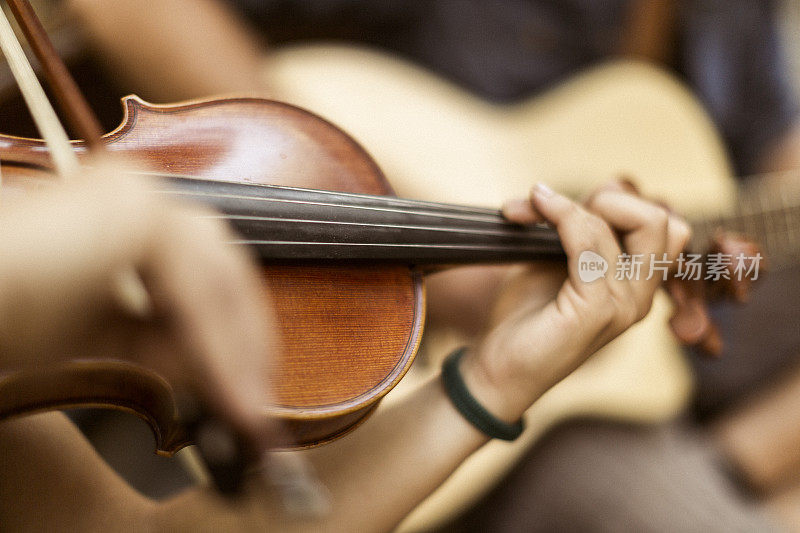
470,407
495,394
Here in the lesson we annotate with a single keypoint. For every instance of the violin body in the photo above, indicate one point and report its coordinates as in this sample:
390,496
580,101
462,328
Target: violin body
349,332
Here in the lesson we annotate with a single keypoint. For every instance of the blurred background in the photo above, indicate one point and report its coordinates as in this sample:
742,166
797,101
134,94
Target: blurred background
460,95
104,89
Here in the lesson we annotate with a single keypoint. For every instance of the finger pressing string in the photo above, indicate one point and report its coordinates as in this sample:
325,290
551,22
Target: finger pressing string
521,212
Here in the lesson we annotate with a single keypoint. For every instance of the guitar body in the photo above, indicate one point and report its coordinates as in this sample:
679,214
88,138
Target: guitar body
434,141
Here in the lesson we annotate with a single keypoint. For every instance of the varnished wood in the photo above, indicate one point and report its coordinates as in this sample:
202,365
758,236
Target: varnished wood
69,97
349,333
96,384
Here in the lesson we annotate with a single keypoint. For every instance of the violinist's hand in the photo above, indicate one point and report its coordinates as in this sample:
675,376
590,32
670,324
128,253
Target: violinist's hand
547,320
63,252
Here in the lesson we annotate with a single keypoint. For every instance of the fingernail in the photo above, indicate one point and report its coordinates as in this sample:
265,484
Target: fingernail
516,208
680,224
543,190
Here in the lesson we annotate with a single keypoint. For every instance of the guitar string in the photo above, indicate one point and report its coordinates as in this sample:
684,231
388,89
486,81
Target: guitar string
754,213
779,247
786,214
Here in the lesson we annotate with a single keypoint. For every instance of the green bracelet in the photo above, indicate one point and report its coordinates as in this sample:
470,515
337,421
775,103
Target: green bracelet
469,407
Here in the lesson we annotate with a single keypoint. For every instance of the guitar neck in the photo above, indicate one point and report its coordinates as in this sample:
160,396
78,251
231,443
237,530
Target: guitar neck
767,213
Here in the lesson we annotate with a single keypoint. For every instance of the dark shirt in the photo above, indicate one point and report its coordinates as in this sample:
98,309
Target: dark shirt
504,50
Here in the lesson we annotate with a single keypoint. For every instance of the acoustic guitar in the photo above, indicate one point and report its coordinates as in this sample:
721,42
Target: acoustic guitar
617,119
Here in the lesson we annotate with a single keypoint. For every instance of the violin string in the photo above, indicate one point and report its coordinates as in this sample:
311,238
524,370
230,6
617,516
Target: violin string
747,181
390,204
440,210
751,186
485,215
497,217
400,202
464,247
478,214
468,231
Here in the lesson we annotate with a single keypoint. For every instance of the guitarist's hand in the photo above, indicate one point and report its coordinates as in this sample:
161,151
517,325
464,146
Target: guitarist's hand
547,320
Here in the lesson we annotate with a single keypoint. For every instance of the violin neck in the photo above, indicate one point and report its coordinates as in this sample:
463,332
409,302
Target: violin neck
284,224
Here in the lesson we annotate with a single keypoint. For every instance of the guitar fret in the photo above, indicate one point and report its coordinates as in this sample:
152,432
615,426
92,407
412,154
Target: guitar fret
768,215
787,214
769,229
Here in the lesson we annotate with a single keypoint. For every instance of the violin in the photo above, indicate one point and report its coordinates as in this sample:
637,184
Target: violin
343,259
344,269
